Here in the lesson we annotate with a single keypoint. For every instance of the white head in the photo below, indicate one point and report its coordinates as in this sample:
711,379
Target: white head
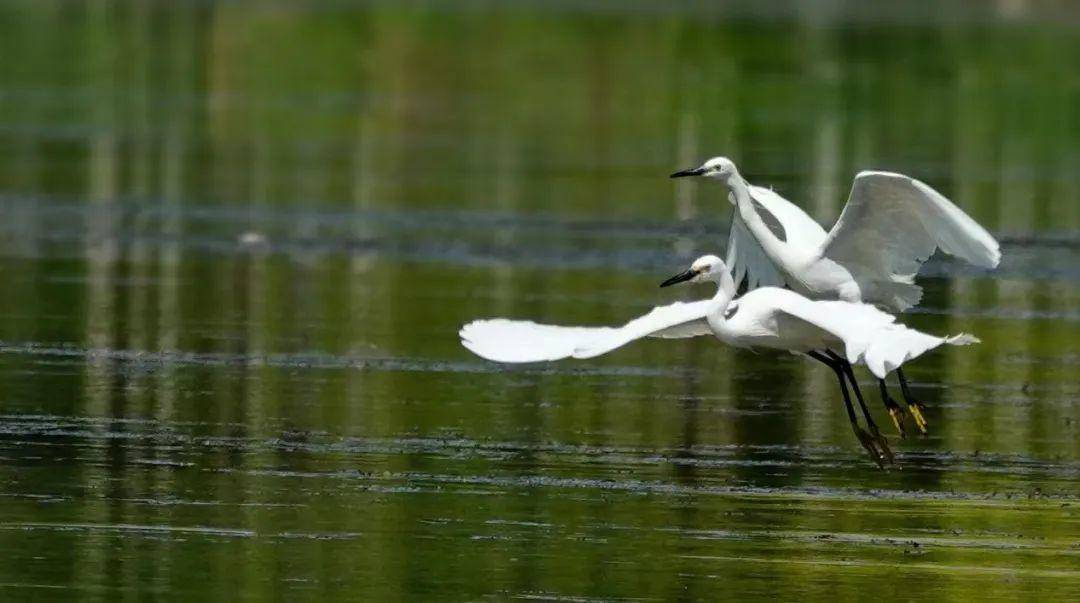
705,268
720,168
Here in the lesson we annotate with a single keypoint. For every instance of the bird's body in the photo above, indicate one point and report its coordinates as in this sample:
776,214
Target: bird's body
765,318
889,227
810,291
770,318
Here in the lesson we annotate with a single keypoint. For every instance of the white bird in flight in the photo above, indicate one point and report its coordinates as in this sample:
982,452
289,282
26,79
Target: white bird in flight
889,227
767,317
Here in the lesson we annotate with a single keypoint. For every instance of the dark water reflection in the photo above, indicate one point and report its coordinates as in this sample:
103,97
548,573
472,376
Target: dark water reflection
238,241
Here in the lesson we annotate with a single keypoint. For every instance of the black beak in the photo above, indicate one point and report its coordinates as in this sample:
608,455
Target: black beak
690,172
682,277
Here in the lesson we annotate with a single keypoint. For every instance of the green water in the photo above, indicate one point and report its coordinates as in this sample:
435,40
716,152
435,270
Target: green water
238,239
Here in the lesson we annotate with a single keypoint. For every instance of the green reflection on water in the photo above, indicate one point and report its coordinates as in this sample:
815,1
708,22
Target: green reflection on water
187,415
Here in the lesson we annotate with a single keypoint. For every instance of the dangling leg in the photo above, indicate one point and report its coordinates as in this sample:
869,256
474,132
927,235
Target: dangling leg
895,412
882,443
863,437
915,407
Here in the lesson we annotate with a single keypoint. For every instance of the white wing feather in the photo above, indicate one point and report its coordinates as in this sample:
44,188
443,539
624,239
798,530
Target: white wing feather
504,340
869,335
746,258
890,226
800,230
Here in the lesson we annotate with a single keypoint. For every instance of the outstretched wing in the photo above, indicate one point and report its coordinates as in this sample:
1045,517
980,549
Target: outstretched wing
789,223
868,334
891,225
504,340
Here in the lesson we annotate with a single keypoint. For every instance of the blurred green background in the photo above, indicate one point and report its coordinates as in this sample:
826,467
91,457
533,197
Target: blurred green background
238,239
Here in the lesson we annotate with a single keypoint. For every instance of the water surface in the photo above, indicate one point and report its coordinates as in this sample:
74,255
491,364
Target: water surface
238,240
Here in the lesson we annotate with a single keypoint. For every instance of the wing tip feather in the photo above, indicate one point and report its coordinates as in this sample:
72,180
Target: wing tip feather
993,253
962,339
885,173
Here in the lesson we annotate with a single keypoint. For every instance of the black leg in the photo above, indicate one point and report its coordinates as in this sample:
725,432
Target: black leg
864,438
883,444
895,412
915,407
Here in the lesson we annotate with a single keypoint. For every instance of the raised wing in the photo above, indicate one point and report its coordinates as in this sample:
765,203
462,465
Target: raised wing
504,340
788,221
869,335
891,225
800,230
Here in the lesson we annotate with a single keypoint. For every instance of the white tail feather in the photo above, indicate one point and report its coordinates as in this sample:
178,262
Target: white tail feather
893,346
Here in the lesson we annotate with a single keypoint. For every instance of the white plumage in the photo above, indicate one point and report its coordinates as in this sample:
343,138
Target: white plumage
747,259
767,317
504,340
889,227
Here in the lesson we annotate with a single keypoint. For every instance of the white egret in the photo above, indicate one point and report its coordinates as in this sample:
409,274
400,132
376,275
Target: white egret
890,226
768,317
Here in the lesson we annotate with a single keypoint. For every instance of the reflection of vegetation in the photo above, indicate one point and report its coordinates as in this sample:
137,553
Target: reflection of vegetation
541,113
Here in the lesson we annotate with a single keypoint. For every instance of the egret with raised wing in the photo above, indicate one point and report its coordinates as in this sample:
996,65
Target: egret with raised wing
765,318
890,226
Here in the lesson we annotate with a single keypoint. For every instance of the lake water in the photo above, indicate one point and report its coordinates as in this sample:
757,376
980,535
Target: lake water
238,239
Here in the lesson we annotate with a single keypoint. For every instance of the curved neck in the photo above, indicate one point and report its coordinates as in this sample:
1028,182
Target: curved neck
769,242
725,290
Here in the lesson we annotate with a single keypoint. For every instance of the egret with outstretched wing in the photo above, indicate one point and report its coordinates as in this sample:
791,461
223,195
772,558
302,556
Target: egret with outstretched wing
890,226
765,318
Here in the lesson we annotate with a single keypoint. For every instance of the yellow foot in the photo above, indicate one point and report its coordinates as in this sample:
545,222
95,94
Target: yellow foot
916,408
897,415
